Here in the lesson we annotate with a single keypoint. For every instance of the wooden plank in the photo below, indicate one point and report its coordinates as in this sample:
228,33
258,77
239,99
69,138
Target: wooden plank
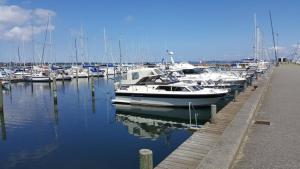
183,161
178,164
193,150
185,154
202,140
200,143
203,149
185,151
167,166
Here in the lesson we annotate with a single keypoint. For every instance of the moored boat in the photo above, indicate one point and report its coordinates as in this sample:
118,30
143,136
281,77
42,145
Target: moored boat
150,86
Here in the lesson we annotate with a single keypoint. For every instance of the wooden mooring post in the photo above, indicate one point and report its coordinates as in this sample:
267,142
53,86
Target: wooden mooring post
236,93
146,159
54,88
77,74
245,86
63,77
92,86
249,80
1,97
2,123
3,129
213,113
9,82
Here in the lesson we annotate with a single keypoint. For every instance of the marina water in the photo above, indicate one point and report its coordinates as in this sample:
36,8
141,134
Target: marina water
85,131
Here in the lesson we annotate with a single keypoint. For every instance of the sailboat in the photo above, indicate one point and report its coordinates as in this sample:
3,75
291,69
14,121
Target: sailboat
40,73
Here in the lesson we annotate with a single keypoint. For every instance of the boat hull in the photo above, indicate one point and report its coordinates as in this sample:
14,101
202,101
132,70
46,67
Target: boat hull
167,101
37,79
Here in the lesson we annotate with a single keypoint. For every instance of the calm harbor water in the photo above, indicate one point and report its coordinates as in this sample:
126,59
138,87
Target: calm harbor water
85,132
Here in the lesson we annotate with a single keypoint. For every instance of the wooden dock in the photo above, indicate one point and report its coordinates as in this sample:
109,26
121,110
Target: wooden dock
190,153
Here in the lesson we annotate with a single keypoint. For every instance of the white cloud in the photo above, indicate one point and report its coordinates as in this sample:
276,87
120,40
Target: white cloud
17,23
13,15
129,18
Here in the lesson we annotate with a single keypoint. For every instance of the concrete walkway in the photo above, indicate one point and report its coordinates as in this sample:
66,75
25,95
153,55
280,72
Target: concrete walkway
276,146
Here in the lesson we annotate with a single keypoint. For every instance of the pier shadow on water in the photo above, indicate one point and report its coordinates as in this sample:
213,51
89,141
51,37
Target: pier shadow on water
83,131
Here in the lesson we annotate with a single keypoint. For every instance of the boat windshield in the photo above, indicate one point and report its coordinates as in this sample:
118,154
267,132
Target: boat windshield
195,88
157,80
192,71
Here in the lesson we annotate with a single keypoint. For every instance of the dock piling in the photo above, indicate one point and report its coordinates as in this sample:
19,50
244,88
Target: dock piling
245,86
54,91
9,82
92,86
213,113
77,74
63,77
146,159
190,114
1,98
256,75
235,95
2,124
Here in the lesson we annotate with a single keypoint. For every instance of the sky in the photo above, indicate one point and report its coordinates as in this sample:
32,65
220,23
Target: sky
195,30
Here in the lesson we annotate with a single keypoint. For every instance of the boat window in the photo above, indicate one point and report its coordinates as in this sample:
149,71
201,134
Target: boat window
192,71
194,88
166,88
158,71
183,89
124,87
135,75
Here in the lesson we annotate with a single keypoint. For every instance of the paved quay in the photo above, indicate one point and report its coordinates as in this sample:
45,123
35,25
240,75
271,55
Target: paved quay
275,146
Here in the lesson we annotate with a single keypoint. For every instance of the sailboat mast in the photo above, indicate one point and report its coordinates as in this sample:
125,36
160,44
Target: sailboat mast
76,51
275,50
19,57
33,45
105,45
255,37
44,45
120,53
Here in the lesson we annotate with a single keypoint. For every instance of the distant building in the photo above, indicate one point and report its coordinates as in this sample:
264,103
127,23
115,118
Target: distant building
283,60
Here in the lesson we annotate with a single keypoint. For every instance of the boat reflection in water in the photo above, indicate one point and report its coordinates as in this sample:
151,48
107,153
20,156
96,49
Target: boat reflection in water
152,122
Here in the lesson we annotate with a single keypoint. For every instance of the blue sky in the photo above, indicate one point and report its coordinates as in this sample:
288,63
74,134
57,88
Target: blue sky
194,29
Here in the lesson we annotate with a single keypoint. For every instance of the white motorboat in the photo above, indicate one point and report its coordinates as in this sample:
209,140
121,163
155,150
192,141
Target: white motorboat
198,74
38,74
63,76
203,83
37,77
150,86
79,72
